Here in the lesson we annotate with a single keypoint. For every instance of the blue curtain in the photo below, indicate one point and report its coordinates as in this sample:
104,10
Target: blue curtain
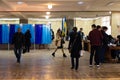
38,33
17,26
25,27
12,30
46,34
5,33
0,33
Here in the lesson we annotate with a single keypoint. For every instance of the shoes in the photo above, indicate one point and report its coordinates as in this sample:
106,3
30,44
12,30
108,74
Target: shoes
72,67
76,69
98,66
90,65
18,61
64,55
53,54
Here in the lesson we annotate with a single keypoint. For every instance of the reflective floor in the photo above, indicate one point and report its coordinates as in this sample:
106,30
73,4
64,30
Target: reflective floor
40,65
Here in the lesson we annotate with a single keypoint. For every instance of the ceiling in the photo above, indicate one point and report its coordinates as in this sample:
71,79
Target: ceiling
61,8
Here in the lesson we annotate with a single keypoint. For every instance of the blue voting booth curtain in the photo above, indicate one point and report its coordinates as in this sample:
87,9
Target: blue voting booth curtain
30,27
46,34
5,33
38,33
0,33
12,30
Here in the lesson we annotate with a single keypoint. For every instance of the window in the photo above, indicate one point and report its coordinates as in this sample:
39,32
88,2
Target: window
106,22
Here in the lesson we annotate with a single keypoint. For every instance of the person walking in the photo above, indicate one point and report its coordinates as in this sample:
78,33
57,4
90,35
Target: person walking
59,43
27,40
76,48
18,42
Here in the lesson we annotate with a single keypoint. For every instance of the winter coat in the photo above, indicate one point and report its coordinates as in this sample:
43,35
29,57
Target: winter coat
18,40
76,47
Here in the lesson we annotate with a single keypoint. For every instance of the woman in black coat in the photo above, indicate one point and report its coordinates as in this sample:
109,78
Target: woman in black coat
75,51
27,40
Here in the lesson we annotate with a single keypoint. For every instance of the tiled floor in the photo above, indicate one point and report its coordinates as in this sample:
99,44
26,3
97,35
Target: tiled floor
40,65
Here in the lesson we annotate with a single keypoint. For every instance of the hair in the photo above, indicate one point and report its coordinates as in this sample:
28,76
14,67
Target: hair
81,28
104,28
118,36
93,26
75,29
98,26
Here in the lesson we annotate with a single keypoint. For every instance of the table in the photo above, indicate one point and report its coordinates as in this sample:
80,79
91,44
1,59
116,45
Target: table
108,52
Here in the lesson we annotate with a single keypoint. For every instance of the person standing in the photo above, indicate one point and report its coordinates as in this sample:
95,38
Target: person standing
59,43
27,40
95,37
18,42
81,33
76,48
105,43
72,35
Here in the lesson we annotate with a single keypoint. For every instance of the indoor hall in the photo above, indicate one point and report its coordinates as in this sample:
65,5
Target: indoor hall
42,16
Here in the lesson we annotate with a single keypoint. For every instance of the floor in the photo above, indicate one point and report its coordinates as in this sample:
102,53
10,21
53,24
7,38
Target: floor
40,65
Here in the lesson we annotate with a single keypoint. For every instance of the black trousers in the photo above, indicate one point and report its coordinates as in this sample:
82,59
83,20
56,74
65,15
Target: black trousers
73,62
95,52
27,48
17,52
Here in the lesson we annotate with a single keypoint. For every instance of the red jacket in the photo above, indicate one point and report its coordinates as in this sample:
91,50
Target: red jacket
95,37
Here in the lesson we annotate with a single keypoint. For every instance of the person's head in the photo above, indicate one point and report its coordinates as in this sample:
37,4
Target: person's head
58,31
75,29
118,37
98,27
81,29
93,26
104,28
19,30
28,30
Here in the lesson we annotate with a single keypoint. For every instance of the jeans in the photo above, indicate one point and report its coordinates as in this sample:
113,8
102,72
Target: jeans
17,52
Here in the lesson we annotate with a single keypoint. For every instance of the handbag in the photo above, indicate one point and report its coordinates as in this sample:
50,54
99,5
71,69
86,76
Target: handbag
81,52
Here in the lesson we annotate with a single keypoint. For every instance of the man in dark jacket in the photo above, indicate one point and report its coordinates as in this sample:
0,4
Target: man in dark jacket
95,37
18,41
105,43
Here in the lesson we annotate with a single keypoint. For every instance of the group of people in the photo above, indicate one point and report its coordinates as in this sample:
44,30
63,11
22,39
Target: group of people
99,41
98,37
21,41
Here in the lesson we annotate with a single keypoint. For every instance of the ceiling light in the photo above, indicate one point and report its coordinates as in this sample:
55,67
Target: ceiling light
49,6
19,2
80,2
47,17
48,13
110,12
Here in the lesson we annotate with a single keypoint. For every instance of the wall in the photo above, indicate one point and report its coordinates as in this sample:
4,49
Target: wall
85,24
9,21
97,21
115,20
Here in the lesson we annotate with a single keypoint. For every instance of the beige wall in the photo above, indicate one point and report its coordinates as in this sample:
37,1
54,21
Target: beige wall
115,20
9,21
97,21
85,24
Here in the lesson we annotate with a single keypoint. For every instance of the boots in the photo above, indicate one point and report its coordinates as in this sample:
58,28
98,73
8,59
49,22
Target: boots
64,55
53,54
